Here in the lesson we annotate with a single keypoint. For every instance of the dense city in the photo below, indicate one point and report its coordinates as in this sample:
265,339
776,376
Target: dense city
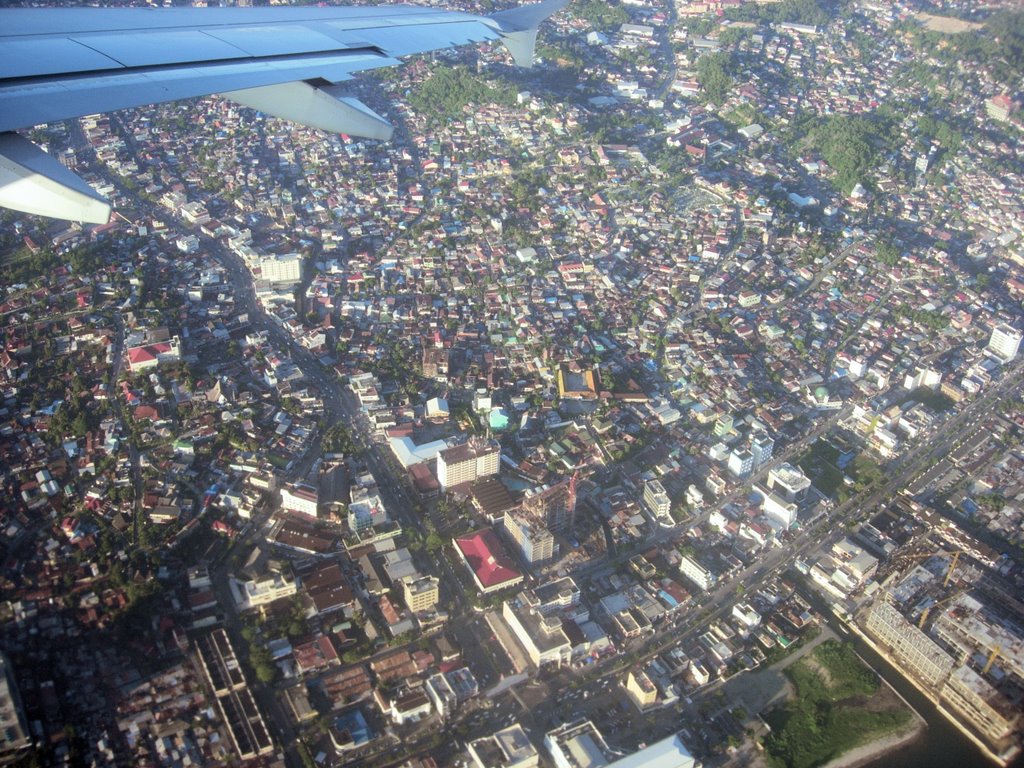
658,405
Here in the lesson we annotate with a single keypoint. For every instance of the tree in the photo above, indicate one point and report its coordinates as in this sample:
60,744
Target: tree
714,73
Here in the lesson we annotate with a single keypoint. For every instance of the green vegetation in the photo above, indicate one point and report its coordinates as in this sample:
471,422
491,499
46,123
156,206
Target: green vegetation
930,319
447,92
999,46
819,464
715,75
338,439
937,401
602,15
828,716
851,145
815,12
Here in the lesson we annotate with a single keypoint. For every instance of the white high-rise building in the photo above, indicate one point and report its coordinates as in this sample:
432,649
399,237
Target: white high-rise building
1005,342
468,462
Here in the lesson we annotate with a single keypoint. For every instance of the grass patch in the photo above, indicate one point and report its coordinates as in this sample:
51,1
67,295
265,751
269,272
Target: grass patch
837,707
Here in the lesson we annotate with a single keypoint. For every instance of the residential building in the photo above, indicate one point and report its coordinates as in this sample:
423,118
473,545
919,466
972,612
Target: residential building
1000,107
696,572
761,447
985,710
533,540
440,692
553,506
657,500
468,462
741,462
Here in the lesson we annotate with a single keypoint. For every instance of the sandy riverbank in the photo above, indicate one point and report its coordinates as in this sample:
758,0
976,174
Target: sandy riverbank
873,750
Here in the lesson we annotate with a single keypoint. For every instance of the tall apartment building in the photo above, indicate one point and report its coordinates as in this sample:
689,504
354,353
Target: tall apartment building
420,594
761,448
1005,342
916,652
468,462
741,462
531,537
656,499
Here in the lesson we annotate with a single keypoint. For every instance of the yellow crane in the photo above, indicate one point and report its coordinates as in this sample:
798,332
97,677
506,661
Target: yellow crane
925,555
991,658
925,613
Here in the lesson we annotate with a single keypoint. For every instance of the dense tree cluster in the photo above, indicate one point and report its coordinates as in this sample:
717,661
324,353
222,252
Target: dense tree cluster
999,47
815,12
447,92
850,145
602,15
714,73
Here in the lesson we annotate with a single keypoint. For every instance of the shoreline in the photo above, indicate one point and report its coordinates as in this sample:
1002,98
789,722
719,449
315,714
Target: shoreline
874,749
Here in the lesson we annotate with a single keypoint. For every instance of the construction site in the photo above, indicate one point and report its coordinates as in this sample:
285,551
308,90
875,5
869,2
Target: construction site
958,635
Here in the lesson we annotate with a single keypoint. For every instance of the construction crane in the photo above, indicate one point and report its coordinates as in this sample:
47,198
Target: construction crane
991,658
930,608
926,555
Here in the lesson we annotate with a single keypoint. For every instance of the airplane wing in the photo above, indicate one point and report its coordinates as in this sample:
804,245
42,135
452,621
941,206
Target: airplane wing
62,63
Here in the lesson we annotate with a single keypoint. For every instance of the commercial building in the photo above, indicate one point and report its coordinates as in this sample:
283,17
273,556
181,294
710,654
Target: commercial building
789,482
420,594
575,383
1004,342
300,498
485,558
223,673
279,269
468,462
277,583
641,689
508,748
656,499
581,745
540,635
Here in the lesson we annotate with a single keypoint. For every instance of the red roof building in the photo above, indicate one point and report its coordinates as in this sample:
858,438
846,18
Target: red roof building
487,560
